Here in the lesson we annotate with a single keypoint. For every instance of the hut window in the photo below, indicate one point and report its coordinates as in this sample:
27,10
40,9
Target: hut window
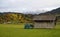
43,20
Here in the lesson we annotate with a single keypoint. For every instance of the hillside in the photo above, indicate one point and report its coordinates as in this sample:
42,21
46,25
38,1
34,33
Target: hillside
16,18
53,12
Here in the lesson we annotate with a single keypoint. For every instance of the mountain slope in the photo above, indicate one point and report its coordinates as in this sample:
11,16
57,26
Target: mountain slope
53,12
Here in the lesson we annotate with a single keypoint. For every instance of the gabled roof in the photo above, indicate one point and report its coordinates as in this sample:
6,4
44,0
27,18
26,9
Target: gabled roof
44,17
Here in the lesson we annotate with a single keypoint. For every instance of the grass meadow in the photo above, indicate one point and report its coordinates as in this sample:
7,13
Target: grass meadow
14,30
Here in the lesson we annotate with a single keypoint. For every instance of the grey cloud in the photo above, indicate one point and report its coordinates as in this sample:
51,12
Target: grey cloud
28,5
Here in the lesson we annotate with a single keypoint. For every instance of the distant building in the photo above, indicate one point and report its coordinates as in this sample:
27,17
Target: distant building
44,21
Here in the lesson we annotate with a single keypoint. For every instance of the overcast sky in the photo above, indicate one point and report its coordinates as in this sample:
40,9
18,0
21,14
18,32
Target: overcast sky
28,5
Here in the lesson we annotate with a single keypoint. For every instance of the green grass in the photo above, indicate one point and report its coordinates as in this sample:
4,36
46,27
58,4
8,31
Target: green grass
7,30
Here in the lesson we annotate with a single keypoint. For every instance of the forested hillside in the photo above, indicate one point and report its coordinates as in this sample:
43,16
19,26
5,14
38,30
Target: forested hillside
53,12
11,17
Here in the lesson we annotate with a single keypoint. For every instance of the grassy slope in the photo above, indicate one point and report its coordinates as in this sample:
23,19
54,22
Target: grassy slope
18,31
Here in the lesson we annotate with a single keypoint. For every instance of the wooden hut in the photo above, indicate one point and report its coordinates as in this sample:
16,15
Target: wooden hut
44,21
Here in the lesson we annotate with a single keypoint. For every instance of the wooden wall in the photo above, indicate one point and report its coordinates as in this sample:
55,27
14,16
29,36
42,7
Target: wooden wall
44,25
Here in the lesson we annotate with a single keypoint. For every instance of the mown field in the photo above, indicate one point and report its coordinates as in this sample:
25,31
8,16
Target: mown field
11,30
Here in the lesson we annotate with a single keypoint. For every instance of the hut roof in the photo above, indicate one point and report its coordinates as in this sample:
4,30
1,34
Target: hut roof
44,17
